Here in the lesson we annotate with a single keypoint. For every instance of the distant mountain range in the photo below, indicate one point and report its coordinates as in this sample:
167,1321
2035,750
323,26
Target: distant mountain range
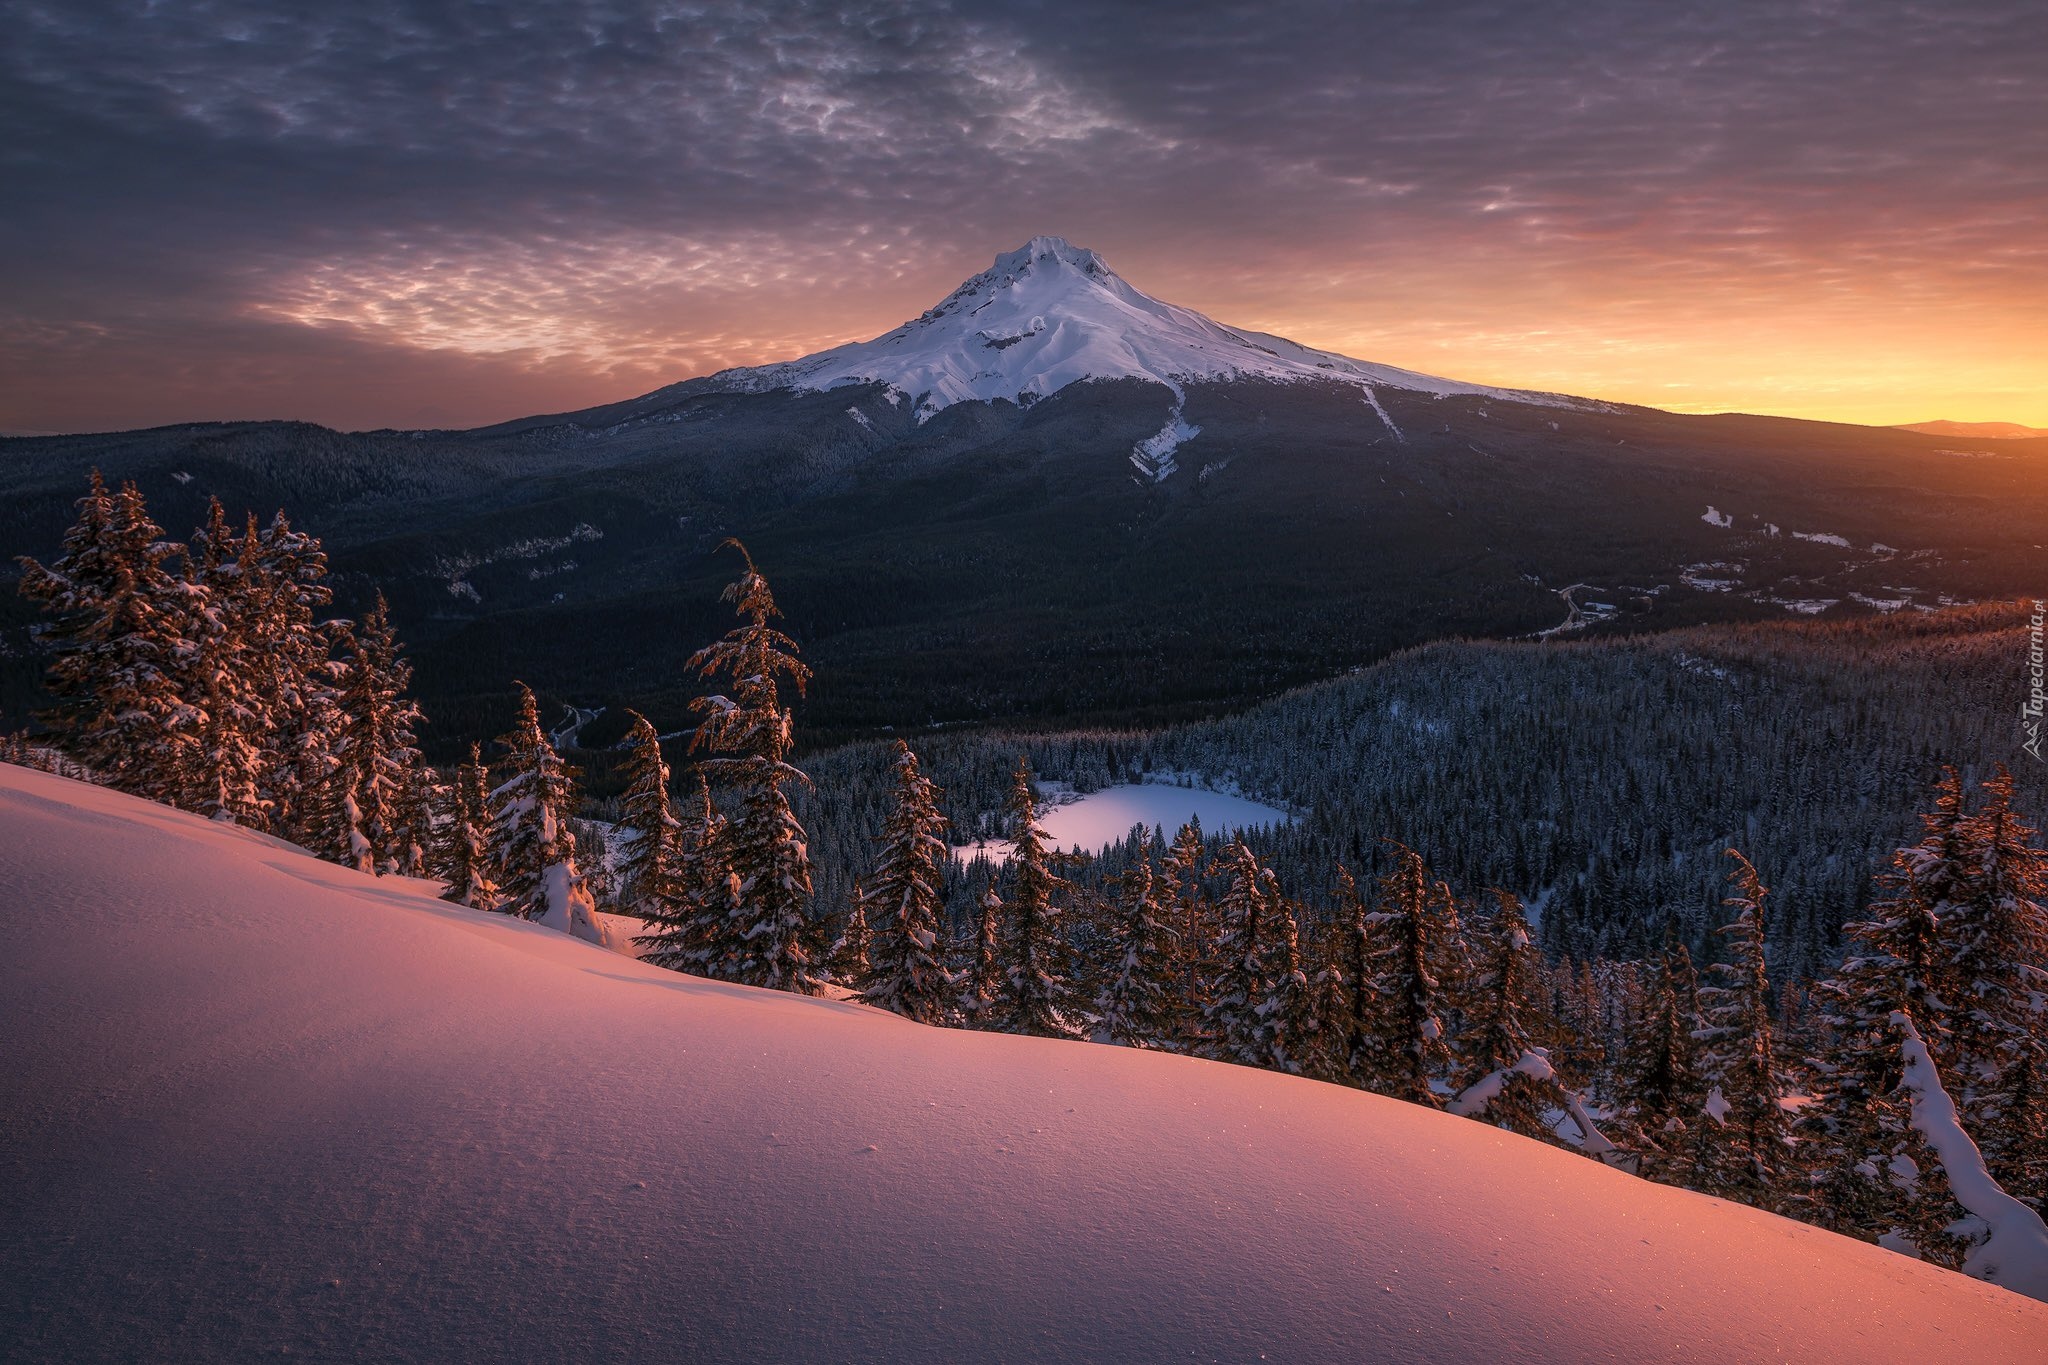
1053,496
1981,431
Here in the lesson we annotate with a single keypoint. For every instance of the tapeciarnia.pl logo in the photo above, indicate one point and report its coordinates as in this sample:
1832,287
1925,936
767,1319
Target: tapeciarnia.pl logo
2037,698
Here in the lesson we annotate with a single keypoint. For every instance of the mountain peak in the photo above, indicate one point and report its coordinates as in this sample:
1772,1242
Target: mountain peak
1050,314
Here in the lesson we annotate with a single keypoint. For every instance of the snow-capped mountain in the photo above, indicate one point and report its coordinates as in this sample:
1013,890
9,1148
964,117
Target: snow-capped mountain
1050,314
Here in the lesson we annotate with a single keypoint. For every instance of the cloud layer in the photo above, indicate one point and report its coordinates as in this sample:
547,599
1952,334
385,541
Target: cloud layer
412,212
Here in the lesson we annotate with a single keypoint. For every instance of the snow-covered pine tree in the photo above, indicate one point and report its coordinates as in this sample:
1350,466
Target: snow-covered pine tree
770,940
122,634
530,816
469,870
981,982
1353,1020
1284,1012
362,818
1743,1151
904,901
1186,903
1506,1002
419,834
1035,993
847,958
691,934
1408,1052
226,765
292,655
1139,1005
1322,1051
1254,950
1995,938
650,881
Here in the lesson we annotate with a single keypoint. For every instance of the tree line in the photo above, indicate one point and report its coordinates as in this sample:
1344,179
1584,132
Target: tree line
203,675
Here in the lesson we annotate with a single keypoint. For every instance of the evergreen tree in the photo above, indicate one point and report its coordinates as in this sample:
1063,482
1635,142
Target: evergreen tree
769,940
225,765
848,956
362,813
1995,938
650,881
982,981
530,815
1408,1051
1139,1007
690,934
290,653
1743,1152
1663,1093
904,902
1505,1012
1186,904
469,867
122,634
1035,993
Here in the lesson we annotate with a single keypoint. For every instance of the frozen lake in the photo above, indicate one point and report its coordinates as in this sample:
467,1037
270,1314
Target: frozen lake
1091,823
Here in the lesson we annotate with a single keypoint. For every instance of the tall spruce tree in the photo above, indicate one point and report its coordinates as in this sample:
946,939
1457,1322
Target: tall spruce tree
530,815
1743,1151
1505,1007
691,934
1185,901
981,980
470,877
1409,1050
770,939
650,882
362,820
1036,995
1139,1003
1662,1097
122,635
904,901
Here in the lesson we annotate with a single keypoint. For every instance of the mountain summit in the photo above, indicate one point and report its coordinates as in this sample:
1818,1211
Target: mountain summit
1050,314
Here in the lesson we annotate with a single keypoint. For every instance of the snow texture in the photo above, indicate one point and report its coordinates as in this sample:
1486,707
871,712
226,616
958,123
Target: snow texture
1717,518
1052,314
2015,1251
257,1106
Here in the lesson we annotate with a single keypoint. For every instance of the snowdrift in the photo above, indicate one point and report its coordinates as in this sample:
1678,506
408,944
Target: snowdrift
256,1105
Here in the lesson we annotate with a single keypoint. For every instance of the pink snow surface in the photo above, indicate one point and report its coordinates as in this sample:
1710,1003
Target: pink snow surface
255,1105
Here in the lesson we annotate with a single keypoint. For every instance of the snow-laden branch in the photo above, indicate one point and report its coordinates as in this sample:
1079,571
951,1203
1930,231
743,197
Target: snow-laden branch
2014,1253
1473,1100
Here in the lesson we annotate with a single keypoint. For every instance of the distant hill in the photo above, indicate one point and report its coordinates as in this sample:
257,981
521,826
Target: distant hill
1983,431
254,1105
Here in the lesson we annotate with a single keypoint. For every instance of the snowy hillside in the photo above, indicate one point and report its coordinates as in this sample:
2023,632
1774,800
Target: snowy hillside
1051,314
254,1105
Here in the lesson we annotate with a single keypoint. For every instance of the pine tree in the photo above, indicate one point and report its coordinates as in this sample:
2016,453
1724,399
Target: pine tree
847,959
226,766
904,901
1663,1093
1357,1009
362,814
770,940
1258,994
1138,1006
1284,1011
1035,993
650,881
1408,1051
1505,1009
530,816
982,981
1186,904
1743,1151
291,655
121,634
691,933
1995,939
469,868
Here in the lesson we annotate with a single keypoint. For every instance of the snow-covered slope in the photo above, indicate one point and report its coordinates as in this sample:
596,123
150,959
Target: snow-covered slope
253,1105
1051,314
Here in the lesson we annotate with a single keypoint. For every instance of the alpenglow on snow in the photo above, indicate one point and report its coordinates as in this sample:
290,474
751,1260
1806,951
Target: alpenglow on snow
1052,314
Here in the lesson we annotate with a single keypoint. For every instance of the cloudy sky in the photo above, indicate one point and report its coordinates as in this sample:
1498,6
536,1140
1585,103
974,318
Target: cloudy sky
443,212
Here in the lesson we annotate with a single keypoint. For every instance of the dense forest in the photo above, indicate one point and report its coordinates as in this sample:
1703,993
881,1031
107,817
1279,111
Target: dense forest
1662,901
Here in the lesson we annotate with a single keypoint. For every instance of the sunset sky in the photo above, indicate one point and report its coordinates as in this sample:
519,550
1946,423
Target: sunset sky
424,212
